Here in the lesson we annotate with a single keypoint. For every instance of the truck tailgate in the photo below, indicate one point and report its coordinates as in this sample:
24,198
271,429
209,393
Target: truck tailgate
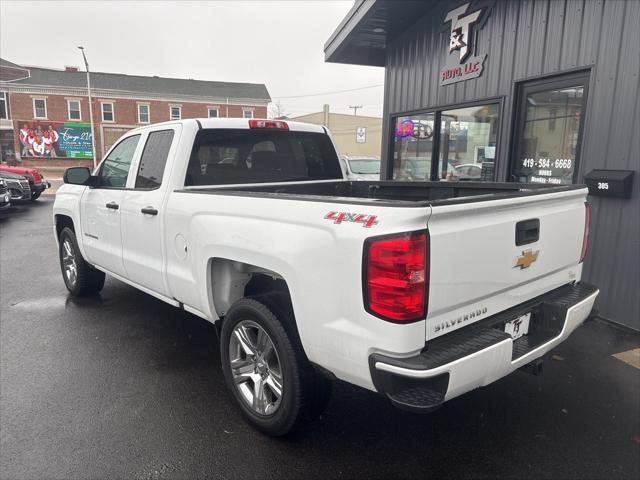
478,270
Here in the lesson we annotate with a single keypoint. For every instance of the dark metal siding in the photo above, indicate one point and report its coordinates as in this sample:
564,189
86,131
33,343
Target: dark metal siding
532,38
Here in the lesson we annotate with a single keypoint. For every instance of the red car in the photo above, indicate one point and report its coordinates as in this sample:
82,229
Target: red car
36,181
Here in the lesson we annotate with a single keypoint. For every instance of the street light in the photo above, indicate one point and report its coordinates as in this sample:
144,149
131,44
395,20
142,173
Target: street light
93,137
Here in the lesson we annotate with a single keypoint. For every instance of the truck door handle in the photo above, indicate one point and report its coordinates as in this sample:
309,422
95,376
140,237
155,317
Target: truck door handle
149,211
112,205
527,231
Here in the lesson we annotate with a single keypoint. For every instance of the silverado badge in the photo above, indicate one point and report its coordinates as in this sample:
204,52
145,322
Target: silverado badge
526,259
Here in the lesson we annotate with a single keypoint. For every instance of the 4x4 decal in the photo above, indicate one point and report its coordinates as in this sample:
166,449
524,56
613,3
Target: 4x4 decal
367,221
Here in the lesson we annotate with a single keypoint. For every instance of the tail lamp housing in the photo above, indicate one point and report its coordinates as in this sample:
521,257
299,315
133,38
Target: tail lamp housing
268,124
587,227
395,276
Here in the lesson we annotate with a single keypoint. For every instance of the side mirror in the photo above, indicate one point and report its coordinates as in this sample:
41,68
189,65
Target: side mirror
77,176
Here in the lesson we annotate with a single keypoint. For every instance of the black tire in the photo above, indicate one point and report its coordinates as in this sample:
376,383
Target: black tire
35,196
87,280
305,393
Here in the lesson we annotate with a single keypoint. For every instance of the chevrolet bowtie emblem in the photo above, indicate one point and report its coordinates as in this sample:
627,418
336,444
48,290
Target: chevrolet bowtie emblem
526,259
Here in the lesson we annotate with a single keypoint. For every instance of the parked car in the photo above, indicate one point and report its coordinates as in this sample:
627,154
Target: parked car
37,183
310,277
18,186
5,199
361,167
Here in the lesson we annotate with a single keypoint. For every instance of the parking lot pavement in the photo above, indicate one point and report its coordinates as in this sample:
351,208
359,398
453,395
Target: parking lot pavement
55,182
122,385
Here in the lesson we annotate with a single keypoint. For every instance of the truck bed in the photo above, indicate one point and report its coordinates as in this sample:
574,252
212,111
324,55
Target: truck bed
387,193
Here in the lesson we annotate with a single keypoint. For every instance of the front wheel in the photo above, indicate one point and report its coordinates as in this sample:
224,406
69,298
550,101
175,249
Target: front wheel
35,196
80,278
271,380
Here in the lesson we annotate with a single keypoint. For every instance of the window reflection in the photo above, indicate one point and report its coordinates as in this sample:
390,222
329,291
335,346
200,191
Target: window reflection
413,147
468,139
465,150
549,139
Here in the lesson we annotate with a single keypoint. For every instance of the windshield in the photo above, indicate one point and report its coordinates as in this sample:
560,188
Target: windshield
236,156
365,165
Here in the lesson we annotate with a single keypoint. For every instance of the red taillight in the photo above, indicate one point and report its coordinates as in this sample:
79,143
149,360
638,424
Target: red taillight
395,282
272,124
587,225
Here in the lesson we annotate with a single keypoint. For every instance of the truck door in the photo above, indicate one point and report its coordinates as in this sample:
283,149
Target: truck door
101,207
142,235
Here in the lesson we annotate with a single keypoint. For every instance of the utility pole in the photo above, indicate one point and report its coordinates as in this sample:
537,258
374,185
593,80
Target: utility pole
93,137
355,109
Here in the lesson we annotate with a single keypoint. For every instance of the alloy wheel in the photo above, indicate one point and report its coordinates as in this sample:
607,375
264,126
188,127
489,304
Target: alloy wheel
69,262
255,367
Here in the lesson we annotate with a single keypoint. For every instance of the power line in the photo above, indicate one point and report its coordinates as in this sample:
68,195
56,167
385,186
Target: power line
330,93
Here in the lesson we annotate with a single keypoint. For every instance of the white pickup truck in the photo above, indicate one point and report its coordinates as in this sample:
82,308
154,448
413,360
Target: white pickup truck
420,291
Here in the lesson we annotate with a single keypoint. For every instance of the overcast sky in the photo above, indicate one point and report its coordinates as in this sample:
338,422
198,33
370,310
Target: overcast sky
279,43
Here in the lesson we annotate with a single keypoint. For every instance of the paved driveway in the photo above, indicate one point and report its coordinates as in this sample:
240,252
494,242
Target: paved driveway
122,385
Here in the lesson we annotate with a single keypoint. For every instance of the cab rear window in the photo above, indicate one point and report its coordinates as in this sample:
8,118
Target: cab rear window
235,156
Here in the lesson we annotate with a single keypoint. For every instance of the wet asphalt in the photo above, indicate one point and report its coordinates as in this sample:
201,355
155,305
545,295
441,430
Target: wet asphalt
121,385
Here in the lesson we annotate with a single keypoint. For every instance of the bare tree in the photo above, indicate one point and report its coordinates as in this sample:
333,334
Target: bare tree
276,110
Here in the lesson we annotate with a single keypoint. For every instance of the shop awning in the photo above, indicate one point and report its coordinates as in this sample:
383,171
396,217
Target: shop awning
363,35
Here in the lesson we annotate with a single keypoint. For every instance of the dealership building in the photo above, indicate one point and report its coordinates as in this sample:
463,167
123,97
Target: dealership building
34,98
516,91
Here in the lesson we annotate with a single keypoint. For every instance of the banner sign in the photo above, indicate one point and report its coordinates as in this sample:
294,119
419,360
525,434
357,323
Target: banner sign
54,139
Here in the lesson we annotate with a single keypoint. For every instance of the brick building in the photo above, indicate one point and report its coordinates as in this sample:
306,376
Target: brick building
34,98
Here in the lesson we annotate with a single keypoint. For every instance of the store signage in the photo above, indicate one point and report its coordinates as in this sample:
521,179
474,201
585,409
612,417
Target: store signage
54,139
459,64
418,129
549,171
361,134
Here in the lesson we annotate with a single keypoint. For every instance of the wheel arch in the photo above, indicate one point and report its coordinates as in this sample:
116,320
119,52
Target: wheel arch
61,221
231,280
66,218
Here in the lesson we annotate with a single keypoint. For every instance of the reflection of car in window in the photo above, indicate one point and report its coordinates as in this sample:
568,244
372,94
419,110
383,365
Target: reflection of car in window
414,169
468,171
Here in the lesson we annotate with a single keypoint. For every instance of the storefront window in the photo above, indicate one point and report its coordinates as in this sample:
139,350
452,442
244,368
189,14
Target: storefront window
413,147
548,132
449,145
468,139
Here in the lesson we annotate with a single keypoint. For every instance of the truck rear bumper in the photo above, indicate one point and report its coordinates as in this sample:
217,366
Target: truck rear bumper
481,353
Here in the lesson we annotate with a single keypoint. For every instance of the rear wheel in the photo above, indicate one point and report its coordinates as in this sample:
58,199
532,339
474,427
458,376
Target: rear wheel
270,378
80,278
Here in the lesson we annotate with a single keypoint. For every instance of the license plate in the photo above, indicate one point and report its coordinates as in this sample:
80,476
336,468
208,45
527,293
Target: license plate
518,327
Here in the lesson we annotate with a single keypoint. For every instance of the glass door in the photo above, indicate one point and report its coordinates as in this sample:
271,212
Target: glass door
548,129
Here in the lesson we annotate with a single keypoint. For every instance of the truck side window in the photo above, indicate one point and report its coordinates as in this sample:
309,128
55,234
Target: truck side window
154,159
115,168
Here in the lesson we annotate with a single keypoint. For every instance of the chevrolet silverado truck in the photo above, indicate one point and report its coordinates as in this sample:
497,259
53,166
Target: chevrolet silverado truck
419,291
